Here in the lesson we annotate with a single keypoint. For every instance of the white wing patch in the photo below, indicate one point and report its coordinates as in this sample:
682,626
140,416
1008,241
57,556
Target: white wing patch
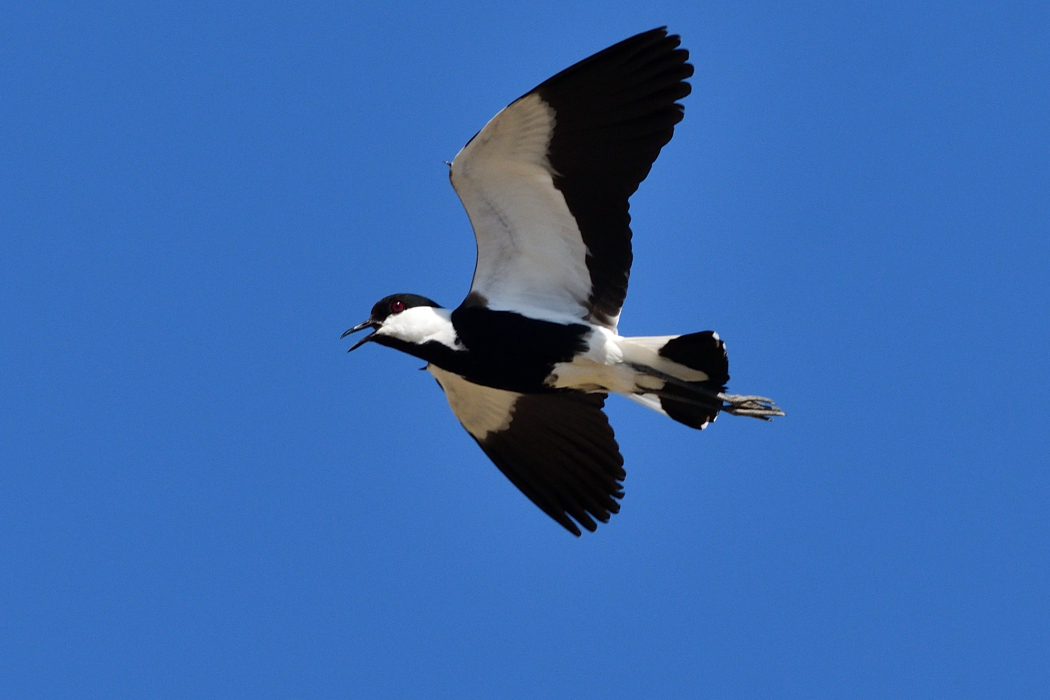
531,255
481,409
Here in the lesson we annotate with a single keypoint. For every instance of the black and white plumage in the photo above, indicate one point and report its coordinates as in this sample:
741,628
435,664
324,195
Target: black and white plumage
528,358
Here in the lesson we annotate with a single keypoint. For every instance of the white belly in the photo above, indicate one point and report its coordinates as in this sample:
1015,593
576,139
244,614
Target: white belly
610,365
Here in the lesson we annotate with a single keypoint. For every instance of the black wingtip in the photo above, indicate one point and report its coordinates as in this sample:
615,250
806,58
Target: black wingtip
570,526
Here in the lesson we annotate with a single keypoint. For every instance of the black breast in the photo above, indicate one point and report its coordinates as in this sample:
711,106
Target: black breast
506,350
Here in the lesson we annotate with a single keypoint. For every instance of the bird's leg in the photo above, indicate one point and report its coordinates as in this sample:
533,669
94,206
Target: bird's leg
735,404
752,406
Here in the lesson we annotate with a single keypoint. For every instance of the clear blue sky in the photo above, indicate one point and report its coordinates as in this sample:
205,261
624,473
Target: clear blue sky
203,495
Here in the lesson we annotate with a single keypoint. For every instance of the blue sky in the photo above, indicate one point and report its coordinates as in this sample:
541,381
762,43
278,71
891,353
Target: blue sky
202,495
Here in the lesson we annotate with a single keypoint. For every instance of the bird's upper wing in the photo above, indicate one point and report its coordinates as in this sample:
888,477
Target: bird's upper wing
546,182
558,449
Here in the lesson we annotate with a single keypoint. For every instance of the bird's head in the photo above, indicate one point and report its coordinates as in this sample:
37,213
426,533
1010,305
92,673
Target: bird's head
405,319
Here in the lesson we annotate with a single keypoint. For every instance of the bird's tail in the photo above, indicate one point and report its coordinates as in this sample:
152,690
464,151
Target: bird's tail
685,376
680,375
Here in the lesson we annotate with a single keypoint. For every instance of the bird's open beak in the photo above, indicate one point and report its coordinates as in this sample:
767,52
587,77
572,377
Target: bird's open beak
360,327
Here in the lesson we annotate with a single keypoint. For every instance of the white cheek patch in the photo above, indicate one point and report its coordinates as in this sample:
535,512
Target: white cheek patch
422,324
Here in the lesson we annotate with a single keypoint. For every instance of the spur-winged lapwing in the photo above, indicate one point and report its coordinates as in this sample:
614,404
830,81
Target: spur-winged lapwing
527,359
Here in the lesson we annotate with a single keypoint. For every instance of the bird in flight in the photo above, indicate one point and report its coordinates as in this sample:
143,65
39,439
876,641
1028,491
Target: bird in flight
528,358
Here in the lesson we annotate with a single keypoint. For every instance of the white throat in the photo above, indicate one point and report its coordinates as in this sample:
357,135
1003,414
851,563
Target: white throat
422,324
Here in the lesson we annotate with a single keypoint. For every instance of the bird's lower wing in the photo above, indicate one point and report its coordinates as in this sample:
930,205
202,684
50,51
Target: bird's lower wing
558,449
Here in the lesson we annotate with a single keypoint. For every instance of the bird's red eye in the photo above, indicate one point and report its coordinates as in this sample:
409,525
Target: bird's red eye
397,306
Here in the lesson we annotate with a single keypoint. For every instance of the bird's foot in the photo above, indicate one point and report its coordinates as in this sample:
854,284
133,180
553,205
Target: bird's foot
754,406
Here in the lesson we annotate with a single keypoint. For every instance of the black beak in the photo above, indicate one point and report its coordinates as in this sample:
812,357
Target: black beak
360,327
